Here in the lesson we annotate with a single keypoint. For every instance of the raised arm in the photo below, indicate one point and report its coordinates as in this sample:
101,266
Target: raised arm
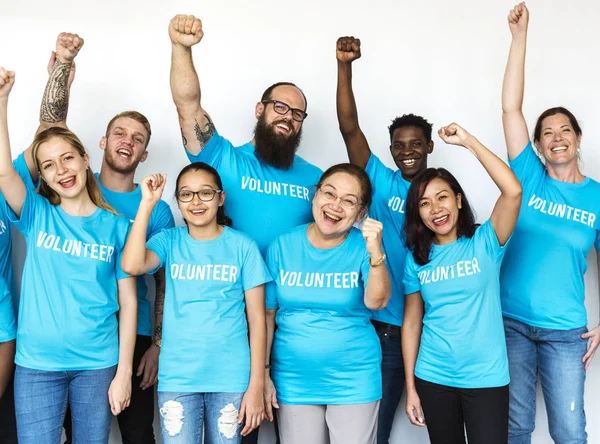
379,287
137,260
515,127
11,184
412,325
347,50
196,127
506,211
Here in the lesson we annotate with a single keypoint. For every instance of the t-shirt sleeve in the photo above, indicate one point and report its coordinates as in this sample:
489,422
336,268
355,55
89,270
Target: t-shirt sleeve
160,244
33,208
8,325
218,150
162,217
410,279
381,176
21,167
124,228
527,166
272,261
486,235
254,270
597,243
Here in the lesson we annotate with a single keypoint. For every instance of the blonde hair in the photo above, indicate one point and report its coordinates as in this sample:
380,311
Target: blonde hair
138,117
90,183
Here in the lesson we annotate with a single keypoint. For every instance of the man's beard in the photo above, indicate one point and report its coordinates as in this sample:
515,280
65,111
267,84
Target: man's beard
114,165
275,149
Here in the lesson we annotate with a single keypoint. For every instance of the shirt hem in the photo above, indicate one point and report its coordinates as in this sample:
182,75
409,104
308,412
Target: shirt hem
542,324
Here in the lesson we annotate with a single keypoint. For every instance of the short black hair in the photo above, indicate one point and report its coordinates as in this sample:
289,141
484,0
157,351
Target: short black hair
267,94
411,120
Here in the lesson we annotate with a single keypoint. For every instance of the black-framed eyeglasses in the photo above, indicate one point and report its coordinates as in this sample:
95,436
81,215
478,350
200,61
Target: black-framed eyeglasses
204,195
282,108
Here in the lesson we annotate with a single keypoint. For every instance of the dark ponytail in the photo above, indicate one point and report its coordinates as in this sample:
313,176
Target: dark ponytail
222,219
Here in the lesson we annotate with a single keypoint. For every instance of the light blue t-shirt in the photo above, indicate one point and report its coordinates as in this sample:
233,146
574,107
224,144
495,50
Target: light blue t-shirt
389,198
462,343
542,276
69,300
262,201
8,327
127,205
205,333
325,349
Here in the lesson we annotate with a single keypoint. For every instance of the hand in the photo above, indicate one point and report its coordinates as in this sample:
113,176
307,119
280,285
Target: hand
185,30
270,398
51,64
454,135
593,337
68,46
7,80
149,366
413,409
518,19
119,393
153,187
252,409
347,49
371,231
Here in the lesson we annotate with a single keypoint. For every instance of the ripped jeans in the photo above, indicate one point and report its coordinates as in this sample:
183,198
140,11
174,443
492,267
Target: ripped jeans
183,417
556,356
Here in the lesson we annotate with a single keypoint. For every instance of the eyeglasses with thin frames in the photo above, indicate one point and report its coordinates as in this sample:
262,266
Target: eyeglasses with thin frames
205,195
282,108
345,202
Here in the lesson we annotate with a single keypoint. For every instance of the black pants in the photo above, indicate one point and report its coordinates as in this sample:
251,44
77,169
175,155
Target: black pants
135,423
448,411
8,420
252,438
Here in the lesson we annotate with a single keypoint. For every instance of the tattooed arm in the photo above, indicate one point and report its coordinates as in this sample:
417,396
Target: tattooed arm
196,126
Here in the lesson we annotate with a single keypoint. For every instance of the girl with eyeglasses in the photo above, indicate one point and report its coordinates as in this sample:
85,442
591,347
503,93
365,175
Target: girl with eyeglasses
210,376
71,349
326,357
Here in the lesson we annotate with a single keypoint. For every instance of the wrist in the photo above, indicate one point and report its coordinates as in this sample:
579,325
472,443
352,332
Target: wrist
377,259
124,372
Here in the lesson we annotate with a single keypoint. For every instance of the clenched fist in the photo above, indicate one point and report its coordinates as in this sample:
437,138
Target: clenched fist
185,30
371,231
153,187
347,49
518,19
7,80
454,134
68,46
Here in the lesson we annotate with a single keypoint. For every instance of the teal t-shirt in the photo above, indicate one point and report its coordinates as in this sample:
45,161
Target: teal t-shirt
542,278
325,349
127,205
262,201
205,333
462,342
67,312
389,199
8,326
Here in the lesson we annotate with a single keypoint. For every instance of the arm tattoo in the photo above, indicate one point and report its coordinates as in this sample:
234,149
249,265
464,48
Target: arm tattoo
55,102
159,302
184,139
204,136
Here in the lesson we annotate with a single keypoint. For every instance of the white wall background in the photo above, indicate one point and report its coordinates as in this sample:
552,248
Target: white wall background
441,59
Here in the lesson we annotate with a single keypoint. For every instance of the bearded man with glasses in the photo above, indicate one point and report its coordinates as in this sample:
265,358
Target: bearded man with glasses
269,187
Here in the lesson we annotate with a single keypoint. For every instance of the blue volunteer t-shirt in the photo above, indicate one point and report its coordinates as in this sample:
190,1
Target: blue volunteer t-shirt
462,343
127,205
69,300
205,333
8,327
389,198
325,349
6,269
542,276
262,201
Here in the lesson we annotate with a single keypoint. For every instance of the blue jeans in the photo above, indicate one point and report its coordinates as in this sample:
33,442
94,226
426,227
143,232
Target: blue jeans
41,400
184,415
556,356
392,376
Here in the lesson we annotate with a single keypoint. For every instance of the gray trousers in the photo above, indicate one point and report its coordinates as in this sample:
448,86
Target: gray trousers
328,424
